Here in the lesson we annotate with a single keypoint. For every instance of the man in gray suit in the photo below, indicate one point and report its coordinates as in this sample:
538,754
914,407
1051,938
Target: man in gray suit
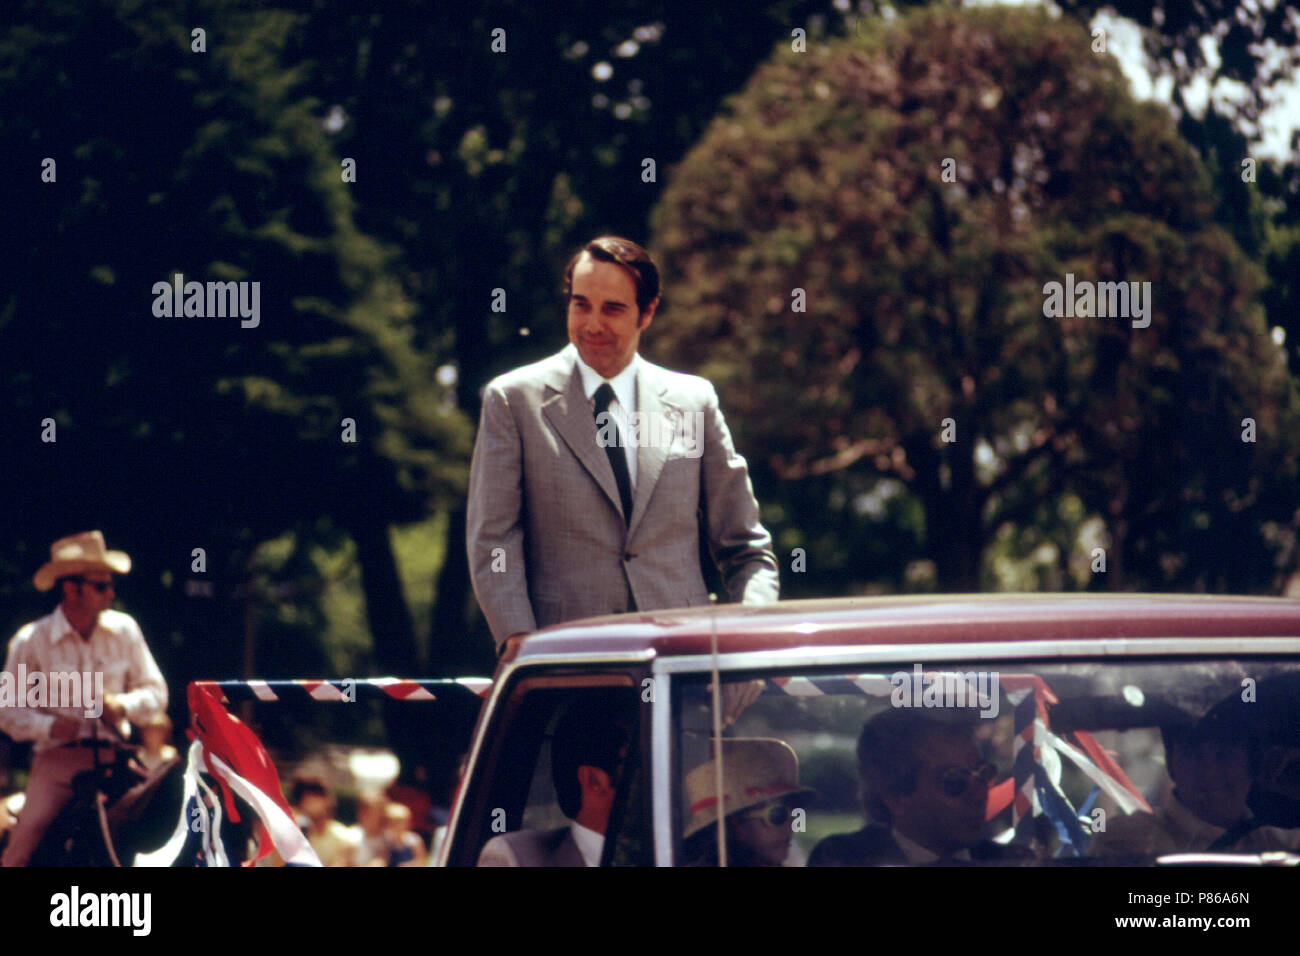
588,750
595,473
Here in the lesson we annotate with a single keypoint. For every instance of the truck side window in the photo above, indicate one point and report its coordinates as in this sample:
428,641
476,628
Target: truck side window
561,777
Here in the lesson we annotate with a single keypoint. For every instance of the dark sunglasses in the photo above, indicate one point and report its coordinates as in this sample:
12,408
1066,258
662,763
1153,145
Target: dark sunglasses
103,587
955,781
775,815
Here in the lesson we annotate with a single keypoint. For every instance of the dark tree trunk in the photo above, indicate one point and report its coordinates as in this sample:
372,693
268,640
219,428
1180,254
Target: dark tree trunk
393,632
386,610
968,544
456,647
953,528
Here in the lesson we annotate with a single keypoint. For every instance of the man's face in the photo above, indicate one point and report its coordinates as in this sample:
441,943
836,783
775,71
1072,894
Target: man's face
931,815
1212,778
602,320
85,597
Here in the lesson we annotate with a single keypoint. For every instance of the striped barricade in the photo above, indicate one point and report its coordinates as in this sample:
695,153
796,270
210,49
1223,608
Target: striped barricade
348,689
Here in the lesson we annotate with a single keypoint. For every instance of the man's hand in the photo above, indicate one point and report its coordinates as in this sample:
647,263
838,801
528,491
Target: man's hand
65,728
113,708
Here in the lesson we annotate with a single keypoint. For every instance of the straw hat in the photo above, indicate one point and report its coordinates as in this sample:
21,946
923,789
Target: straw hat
77,555
755,769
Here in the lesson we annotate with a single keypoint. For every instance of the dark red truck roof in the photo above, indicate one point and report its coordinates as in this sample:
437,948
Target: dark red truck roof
937,619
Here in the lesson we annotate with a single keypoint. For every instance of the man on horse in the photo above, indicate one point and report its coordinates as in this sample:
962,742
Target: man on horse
75,678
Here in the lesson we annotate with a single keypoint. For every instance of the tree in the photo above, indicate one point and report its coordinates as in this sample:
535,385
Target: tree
1256,50
202,156
1258,44
916,190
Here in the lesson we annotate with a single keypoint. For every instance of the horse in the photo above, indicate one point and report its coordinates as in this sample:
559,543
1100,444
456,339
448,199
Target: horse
119,809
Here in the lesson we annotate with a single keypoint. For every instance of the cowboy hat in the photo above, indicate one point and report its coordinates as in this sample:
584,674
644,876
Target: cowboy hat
78,554
755,770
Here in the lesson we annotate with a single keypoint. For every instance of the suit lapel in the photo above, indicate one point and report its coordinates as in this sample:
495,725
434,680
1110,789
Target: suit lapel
570,415
650,454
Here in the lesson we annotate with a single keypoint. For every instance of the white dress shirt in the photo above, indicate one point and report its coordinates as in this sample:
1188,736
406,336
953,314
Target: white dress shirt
590,843
624,404
116,650
918,855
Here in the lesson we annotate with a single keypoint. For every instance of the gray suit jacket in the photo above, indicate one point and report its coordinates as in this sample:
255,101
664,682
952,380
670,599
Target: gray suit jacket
546,535
532,848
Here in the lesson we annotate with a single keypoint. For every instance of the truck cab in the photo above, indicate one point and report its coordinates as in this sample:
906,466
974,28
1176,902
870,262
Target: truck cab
1069,705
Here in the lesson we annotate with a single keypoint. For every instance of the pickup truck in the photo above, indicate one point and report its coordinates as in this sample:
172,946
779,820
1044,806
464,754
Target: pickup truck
982,730
1069,700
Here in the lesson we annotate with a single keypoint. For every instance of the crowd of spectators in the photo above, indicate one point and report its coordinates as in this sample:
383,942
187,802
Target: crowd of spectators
383,834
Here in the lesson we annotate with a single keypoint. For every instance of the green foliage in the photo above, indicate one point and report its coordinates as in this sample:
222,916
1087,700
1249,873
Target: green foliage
925,301
1174,37
178,433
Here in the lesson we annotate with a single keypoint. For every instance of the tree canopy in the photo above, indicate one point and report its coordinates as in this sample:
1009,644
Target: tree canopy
923,295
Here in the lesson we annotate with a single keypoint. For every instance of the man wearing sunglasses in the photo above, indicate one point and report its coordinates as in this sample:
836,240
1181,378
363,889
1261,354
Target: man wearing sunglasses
83,649
925,789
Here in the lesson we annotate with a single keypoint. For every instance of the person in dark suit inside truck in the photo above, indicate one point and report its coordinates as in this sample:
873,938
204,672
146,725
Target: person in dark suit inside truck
925,789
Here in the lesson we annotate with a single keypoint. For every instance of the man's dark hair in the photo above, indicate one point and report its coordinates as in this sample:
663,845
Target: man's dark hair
889,752
593,731
305,785
626,253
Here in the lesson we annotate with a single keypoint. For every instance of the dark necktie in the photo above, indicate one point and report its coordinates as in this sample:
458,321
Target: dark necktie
617,457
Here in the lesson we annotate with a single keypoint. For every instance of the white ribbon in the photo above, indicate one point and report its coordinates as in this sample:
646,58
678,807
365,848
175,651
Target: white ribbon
289,841
1120,794
167,853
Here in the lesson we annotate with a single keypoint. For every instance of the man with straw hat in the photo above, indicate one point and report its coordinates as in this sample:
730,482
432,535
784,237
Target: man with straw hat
73,680
760,782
